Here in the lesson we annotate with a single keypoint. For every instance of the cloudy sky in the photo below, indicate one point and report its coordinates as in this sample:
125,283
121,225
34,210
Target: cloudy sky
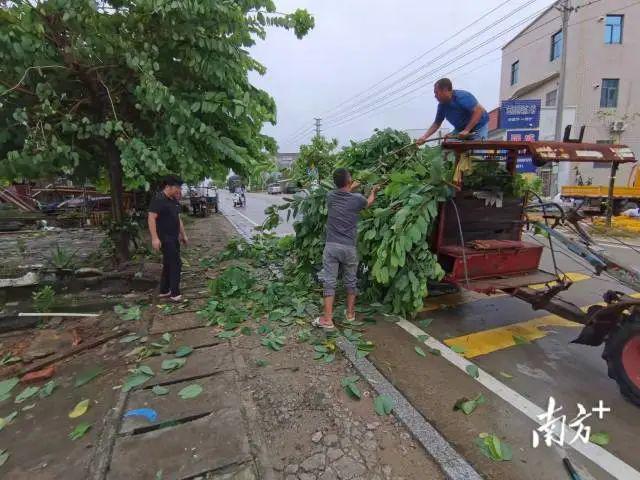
357,43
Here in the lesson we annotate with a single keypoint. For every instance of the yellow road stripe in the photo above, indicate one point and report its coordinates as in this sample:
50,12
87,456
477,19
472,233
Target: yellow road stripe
466,296
488,341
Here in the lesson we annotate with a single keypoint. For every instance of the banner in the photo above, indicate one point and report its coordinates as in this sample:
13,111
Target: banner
520,114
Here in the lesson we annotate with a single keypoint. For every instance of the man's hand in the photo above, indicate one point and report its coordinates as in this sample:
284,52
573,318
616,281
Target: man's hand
376,188
155,244
183,239
464,134
421,141
354,185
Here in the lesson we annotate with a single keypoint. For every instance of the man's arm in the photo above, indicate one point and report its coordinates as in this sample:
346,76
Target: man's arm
183,235
153,230
432,129
478,111
372,195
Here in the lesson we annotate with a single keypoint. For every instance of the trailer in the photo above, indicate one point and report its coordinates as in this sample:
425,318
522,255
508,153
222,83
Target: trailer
481,246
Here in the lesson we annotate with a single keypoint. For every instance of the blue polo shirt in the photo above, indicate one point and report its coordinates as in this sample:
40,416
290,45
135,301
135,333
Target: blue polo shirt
459,110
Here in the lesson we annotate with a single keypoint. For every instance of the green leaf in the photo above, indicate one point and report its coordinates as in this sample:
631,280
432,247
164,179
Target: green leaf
160,390
600,438
261,363
7,385
80,431
28,407
134,380
8,419
468,406
506,375
128,314
425,322
383,405
4,456
492,447
472,370
129,338
353,390
420,351
145,369
190,391
520,340
88,375
347,380
80,409
26,393
47,389
172,364
166,337
458,349
184,351
329,358
434,351
422,338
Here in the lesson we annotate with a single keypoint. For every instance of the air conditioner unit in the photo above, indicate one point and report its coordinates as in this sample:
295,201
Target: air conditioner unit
617,126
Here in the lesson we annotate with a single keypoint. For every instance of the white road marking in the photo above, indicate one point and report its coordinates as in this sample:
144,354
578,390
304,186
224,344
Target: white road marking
246,218
598,455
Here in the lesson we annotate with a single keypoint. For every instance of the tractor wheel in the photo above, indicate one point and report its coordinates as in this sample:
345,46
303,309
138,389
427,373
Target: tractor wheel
622,354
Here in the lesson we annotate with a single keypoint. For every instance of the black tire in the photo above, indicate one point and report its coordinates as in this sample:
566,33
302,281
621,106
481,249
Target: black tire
612,354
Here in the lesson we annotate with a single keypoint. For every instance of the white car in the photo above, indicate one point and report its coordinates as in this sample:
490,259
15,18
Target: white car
274,188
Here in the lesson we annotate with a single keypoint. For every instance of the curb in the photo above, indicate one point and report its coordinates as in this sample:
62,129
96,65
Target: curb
454,466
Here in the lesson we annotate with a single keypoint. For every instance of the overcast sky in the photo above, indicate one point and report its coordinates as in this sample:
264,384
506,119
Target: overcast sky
357,43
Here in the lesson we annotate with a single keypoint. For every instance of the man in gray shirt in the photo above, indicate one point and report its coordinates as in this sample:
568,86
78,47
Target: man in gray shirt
340,249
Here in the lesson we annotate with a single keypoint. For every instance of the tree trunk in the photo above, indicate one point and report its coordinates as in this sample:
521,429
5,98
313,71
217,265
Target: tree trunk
120,236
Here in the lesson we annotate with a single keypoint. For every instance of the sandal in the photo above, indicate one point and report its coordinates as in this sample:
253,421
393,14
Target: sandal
316,323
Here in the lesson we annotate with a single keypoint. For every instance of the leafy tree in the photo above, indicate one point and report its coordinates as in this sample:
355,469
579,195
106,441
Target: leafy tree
136,89
319,156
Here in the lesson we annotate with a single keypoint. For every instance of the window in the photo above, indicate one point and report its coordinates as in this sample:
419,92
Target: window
613,29
556,45
550,100
609,93
515,72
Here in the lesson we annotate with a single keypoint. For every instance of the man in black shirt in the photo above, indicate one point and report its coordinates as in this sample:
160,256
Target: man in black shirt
167,231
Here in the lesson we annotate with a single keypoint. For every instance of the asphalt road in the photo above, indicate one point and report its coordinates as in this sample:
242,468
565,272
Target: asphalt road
517,378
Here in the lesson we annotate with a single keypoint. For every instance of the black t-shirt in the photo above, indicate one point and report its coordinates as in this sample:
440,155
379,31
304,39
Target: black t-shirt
168,221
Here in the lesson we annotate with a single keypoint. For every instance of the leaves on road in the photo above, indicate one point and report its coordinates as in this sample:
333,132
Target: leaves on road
160,390
494,448
4,456
349,385
425,322
8,419
422,338
473,371
184,351
273,341
261,363
434,351
80,409
172,364
88,375
130,338
520,340
190,391
80,431
6,386
468,406
48,388
600,438
134,380
146,370
128,313
420,351
383,405
26,393
506,375
458,349
364,348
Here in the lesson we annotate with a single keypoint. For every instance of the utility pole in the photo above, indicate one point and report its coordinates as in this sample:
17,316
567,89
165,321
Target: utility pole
318,124
615,139
565,10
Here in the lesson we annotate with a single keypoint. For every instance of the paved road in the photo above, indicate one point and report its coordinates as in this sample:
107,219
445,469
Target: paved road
547,366
252,215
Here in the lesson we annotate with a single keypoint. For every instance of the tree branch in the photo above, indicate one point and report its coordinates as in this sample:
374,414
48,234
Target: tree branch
17,85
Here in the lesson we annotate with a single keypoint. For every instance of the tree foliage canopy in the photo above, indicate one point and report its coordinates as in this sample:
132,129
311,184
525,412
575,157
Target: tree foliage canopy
156,85
319,157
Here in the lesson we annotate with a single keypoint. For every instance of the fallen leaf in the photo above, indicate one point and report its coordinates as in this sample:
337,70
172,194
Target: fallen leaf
420,351
600,438
520,340
434,351
261,363
88,375
39,375
506,375
8,419
190,391
160,390
26,393
422,338
80,409
166,337
146,370
79,431
134,380
468,406
28,407
7,385
458,349
4,456
425,323
172,364
472,370
383,405
494,448
130,338
184,351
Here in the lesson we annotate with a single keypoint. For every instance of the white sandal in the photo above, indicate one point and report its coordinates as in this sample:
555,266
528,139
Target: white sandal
316,323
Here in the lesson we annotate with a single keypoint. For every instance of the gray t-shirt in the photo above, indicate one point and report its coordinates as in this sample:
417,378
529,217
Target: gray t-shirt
342,219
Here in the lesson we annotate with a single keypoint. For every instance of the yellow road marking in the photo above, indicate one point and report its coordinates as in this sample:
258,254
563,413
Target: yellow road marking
466,296
488,341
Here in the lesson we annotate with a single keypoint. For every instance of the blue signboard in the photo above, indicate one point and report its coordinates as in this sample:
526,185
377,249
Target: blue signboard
525,165
520,114
523,135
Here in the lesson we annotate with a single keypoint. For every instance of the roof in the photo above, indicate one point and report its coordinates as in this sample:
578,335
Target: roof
542,14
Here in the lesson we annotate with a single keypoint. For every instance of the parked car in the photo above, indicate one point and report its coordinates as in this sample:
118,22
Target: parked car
274,188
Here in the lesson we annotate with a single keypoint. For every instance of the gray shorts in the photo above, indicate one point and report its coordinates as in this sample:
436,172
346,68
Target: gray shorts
335,256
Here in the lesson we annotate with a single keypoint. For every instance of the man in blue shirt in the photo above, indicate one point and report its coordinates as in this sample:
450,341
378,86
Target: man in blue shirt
461,109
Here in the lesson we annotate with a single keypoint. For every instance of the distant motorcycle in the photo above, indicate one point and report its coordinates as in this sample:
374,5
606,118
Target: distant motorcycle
239,200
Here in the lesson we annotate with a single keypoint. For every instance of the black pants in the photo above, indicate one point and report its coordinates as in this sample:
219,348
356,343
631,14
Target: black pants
171,266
